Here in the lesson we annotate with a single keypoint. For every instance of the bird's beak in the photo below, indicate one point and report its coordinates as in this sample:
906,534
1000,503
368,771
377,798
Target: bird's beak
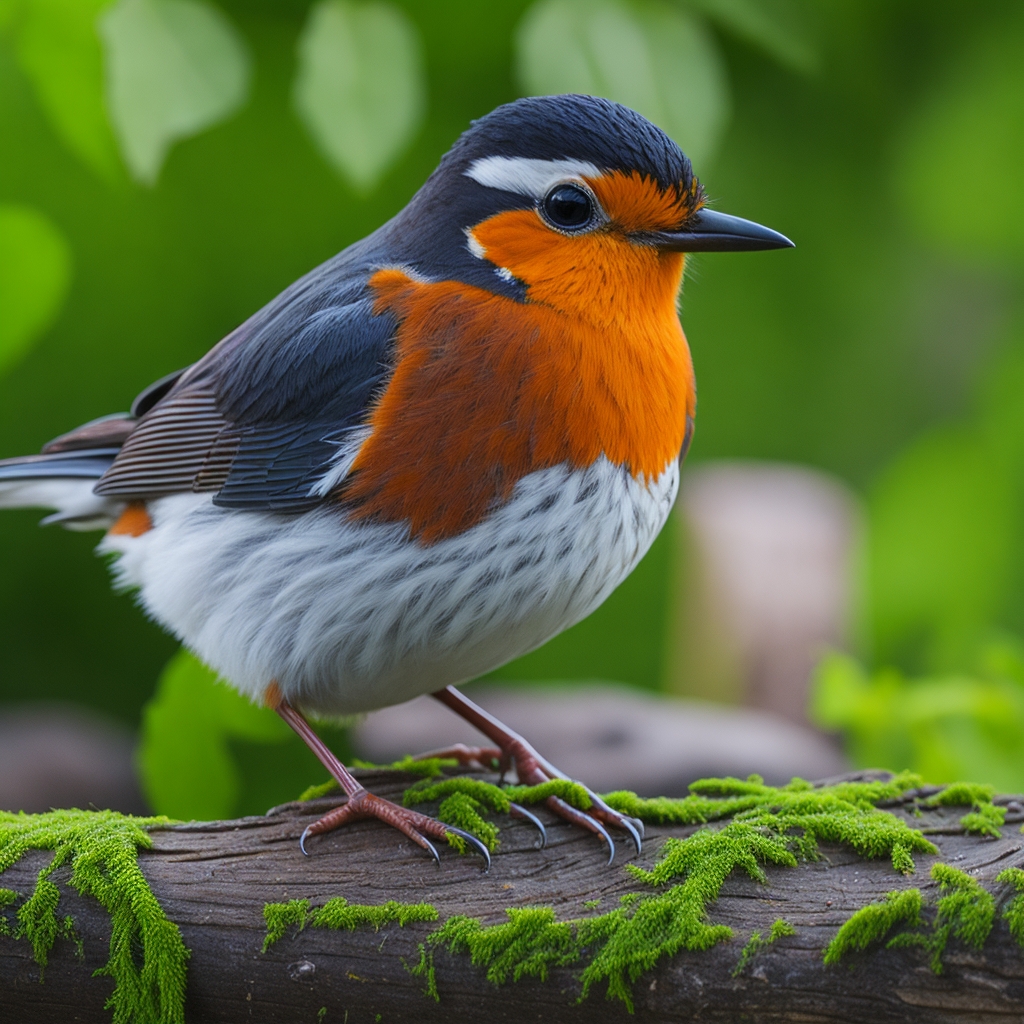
709,231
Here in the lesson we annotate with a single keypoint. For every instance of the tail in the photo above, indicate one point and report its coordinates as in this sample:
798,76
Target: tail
62,481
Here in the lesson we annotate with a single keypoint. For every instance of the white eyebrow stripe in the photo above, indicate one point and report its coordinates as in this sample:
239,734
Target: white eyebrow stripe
525,175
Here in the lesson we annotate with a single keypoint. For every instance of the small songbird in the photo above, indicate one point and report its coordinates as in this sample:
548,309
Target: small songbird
432,453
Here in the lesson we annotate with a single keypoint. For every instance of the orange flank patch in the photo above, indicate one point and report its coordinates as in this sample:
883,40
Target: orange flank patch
272,696
487,390
134,521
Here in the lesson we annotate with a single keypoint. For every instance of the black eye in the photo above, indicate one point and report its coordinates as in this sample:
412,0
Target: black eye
568,206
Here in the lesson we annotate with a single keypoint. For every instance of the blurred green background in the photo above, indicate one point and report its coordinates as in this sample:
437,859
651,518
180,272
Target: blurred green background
168,166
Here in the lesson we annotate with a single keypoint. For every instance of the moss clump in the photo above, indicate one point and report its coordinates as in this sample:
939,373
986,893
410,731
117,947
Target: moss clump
1014,912
338,913
769,825
872,923
985,818
756,944
965,911
148,959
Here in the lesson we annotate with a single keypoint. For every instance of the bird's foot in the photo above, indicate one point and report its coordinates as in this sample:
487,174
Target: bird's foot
363,804
533,770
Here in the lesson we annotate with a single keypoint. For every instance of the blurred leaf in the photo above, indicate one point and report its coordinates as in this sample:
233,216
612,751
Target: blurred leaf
959,175
174,67
947,728
186,765
35,268
360,87
59,50
649,56
774,26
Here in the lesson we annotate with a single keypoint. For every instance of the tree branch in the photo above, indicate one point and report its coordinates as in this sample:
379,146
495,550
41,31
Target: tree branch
213,880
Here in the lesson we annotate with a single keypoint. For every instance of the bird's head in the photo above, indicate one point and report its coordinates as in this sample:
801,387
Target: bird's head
570,201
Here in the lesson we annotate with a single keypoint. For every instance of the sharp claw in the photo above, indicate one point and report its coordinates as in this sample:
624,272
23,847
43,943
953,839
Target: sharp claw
475,843
611,846
634,834
518,811
430,848
639,826
302,840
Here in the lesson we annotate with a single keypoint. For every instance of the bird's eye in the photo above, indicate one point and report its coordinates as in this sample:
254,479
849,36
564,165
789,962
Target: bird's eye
569,207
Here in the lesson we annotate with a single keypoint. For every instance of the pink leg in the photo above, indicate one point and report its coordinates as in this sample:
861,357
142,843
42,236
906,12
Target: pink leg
532,769
361,803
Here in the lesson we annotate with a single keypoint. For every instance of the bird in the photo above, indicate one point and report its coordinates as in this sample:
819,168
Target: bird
429,455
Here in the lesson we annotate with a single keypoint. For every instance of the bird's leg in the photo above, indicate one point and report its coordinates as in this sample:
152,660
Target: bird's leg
361,803
532,770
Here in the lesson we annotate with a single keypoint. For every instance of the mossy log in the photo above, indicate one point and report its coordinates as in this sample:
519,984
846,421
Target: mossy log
214,880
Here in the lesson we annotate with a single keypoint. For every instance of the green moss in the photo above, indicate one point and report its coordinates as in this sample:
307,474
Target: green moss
873,923
756,944
147,959
986,818
762,824
1014,912
338,913
965,911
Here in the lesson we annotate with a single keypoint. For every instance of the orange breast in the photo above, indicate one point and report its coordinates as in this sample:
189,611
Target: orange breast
487,390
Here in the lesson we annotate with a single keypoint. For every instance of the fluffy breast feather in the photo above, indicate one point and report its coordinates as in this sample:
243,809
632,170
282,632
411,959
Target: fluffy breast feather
349,616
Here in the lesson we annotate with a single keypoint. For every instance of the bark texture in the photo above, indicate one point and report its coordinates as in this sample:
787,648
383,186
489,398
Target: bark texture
214,878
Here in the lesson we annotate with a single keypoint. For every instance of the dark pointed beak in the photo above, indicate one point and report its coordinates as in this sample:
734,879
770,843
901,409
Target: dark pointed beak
709,231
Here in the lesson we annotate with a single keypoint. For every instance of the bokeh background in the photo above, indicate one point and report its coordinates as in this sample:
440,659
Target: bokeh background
168,166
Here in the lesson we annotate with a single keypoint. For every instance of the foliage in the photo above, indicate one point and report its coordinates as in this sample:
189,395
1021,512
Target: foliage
35,266
359,86
174,67
940,727
148,959
195,759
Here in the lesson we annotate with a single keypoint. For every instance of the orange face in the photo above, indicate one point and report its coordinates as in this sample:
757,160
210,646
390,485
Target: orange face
487,389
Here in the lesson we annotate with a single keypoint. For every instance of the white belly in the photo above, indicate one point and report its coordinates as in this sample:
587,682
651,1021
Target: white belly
348,617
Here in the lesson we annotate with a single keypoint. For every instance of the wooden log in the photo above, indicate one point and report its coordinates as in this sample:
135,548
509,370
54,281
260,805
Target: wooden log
213,880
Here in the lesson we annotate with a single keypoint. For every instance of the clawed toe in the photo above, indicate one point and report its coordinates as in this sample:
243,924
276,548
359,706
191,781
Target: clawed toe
412,824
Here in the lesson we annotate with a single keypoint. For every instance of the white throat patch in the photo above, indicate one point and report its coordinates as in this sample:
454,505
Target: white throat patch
527,176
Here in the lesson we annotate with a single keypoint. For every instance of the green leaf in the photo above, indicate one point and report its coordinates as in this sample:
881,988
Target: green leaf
35,268
360,87
960,171
773,26
174,68
658,60
186,765
59,51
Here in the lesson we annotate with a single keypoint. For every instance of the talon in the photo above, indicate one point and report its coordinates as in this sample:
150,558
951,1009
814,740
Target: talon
431,849
639,826
518,811
302,840
474,842
577,817
634,833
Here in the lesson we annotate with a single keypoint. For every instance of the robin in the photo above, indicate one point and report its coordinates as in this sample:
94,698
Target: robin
432,453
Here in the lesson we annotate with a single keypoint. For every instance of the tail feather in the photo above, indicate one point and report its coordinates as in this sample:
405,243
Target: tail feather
64,482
